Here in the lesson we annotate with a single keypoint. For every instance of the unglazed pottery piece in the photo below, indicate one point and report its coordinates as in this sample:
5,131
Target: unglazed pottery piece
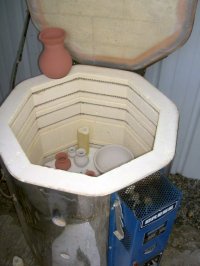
90,173
81,159
55,61
83,138
71,152
62,161
111,156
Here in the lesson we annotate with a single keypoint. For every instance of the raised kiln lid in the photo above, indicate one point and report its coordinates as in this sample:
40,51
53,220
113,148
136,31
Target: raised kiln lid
128,34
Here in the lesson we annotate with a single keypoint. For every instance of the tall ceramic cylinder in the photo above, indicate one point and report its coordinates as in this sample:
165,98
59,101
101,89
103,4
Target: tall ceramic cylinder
55,61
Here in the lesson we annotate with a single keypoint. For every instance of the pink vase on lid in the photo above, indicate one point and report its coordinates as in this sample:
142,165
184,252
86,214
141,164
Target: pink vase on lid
55,61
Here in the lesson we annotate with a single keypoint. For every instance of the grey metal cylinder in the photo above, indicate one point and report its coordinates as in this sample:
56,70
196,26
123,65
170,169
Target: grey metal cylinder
65,229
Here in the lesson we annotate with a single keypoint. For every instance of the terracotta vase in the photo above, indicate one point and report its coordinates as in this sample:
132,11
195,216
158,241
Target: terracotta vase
90,173
54,61
62,161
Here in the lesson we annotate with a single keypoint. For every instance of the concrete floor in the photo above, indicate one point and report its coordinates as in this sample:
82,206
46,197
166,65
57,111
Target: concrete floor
13,243
184,244
183,248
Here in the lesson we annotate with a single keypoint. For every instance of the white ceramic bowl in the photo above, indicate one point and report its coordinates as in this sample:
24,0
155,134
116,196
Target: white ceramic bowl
111,156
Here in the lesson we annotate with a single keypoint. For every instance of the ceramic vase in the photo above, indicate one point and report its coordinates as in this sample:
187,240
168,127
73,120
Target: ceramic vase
72,152
90,173
62,161
55,61
81,159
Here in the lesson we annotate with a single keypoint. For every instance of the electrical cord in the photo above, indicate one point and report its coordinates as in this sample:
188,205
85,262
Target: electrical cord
1,191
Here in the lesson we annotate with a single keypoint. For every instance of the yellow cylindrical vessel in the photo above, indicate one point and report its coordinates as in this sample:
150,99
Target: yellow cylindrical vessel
83,138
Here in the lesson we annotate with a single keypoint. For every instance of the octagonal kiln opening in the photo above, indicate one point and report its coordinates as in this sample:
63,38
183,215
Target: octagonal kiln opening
114,112
41,118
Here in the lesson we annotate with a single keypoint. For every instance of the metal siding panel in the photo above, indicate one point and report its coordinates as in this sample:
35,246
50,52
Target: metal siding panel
178,77
191,165
6,57
12,15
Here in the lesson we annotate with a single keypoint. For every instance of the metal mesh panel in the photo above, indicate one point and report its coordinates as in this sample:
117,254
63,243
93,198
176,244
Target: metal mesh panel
149,195
127,240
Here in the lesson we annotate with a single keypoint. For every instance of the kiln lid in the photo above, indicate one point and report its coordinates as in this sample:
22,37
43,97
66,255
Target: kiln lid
128,34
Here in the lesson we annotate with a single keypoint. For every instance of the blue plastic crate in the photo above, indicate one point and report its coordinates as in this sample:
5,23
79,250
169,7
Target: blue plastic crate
141,220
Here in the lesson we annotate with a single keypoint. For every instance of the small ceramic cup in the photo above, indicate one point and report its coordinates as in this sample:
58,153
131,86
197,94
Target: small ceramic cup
71,152
81,159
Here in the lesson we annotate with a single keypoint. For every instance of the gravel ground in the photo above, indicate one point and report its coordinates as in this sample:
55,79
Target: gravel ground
12,241
189,214
184,244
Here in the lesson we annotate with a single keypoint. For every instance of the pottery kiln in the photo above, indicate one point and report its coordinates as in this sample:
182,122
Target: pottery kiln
118,107
41,117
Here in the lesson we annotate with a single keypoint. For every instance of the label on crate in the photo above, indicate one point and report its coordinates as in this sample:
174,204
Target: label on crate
158,214
156,232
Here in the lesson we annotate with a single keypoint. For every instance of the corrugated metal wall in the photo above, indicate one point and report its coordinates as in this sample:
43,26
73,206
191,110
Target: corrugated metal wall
177,76
12,17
